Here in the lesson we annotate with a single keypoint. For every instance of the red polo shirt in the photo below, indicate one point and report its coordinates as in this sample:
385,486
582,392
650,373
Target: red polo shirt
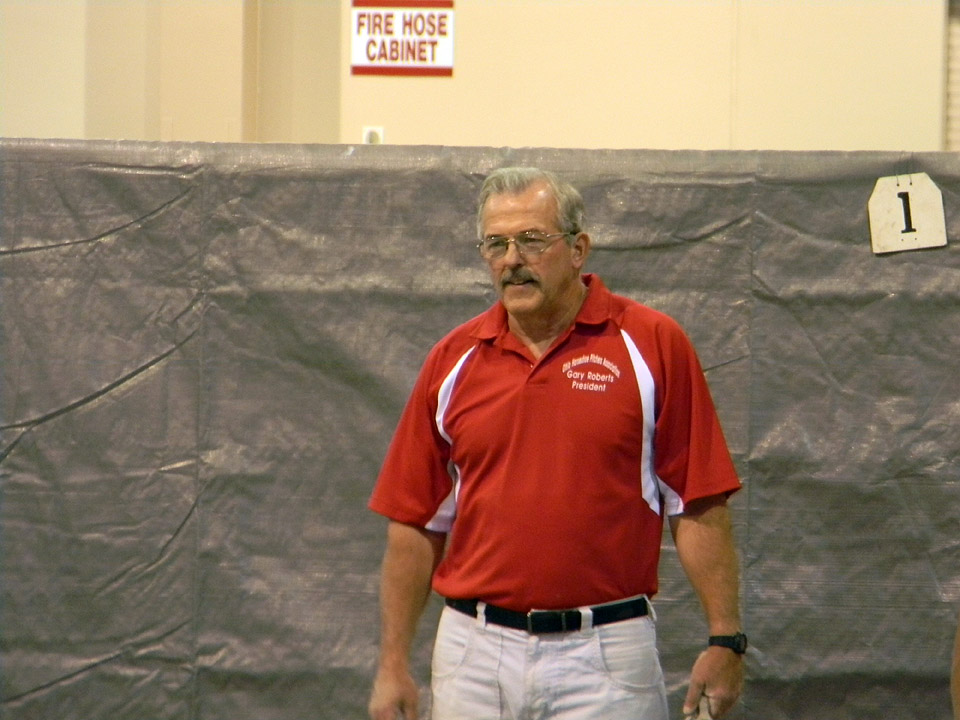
553,475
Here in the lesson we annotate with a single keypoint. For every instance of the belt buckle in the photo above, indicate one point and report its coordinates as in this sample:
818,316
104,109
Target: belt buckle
561,614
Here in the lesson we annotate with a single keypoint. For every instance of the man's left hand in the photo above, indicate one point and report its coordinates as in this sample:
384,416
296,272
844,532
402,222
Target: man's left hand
717,674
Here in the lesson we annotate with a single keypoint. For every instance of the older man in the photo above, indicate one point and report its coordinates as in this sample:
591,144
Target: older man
528,479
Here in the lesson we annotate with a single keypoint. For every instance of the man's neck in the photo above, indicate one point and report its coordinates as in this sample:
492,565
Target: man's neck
538,333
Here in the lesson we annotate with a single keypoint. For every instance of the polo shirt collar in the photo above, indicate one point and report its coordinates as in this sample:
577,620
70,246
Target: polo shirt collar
594,311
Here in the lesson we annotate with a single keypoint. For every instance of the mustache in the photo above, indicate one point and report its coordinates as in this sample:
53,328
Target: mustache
518,275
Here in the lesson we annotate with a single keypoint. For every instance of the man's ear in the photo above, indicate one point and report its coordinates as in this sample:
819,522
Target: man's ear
581,249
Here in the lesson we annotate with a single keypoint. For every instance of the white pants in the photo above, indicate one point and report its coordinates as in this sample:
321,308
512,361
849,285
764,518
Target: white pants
483,671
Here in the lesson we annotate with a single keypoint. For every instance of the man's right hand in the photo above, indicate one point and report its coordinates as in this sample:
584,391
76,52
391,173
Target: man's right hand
395,695
411,556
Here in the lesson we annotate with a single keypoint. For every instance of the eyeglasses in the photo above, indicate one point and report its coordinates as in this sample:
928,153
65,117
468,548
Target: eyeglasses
527,243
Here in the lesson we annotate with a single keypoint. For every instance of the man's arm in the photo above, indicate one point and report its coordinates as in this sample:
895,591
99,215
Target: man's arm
704,541
411,556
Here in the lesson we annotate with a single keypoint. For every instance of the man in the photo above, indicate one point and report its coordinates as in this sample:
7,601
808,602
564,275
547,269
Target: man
547,438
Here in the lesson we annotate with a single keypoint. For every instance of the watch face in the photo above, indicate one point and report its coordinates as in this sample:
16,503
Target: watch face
741,643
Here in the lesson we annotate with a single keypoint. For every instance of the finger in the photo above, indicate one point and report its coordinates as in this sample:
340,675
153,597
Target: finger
720,705
701,712
410,711
695,689
693,698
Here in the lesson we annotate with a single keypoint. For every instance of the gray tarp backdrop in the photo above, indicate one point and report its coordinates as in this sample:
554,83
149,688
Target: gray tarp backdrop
204,350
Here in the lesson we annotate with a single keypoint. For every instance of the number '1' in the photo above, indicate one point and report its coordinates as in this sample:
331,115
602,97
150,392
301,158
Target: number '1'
907,218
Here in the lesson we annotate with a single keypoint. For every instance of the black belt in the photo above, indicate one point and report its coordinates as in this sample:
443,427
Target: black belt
553,621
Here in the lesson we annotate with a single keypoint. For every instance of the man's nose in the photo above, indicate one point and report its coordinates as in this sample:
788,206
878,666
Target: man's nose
512,256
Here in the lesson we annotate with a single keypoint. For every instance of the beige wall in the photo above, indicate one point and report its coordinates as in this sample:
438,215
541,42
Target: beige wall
724,74
164,71
587,74
298,96
134,69
42,68
121,97
787,74
201,69
850,75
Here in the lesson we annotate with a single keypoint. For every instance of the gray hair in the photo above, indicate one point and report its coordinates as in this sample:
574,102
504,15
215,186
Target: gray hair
514,180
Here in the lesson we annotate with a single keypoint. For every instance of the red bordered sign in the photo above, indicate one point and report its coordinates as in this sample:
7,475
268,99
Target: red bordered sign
401,37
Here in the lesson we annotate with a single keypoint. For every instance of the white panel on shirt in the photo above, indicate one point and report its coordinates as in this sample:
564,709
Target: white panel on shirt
442,520
652,486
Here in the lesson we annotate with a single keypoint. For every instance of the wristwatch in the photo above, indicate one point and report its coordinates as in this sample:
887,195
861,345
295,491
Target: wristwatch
737,643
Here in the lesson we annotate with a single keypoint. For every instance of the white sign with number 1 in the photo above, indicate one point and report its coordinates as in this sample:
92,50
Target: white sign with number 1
906,213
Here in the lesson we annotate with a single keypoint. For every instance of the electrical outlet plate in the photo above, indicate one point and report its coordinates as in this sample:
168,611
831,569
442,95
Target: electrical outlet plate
373,135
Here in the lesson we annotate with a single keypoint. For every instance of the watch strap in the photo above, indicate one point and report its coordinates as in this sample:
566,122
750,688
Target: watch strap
737,642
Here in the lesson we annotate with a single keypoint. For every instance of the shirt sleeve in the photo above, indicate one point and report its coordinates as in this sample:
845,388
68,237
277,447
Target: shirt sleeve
690,452
414,484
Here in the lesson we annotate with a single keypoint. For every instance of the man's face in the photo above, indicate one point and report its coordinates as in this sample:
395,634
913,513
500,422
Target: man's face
536,285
